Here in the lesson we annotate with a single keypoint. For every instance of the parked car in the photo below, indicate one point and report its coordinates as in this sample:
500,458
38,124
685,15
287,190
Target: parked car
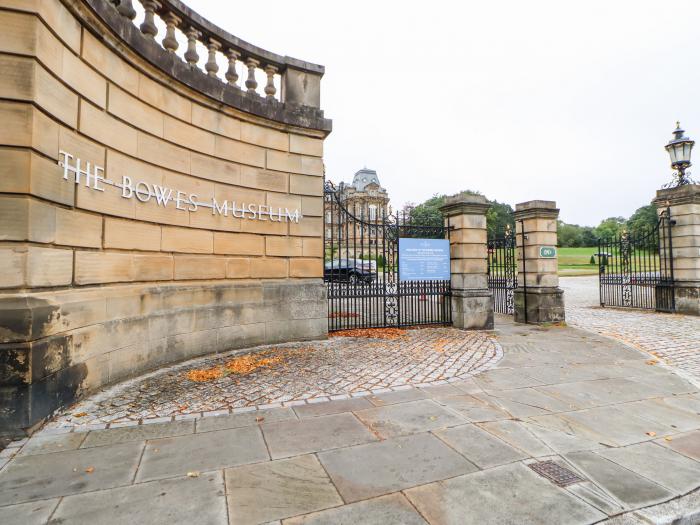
350,270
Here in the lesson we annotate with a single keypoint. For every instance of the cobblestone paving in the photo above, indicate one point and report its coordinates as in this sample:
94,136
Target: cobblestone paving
312,372
674,339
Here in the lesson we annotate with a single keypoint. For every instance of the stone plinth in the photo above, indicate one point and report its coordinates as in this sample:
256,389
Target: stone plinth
538,298
684,204
472,301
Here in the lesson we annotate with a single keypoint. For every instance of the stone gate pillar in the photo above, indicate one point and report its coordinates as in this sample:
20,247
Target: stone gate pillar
538,298
472,301
684,202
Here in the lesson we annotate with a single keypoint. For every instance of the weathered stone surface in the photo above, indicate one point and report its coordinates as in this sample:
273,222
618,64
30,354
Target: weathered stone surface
33,513
512,493
278,489
290,438
178,500
177,456
480,447
113,436
365,471
407,418
391,509
43,476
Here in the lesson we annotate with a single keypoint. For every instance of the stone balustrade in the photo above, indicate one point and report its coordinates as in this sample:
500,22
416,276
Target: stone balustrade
174,49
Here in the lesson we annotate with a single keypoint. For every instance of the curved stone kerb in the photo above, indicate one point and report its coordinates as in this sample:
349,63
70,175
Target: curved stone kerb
290,113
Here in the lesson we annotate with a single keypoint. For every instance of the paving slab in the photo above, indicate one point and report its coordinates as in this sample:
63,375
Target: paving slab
254,417
687,444
296,437
594,495
561,435
616,427
278,489
33,513
366,471
511,494
467,386
552,374
44,476
663,412
533,399
480,447
47,444
475,407
668,381
185,500
408,418
666,467
393,509
441,390
516,434
332,407
630,489
506,379
177,456
398,396
688,403
113,436
590,394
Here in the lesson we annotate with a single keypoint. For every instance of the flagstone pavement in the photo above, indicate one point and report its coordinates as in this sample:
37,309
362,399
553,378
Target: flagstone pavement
627,433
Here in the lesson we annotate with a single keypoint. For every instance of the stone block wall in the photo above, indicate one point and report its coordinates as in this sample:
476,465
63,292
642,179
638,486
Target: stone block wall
96,287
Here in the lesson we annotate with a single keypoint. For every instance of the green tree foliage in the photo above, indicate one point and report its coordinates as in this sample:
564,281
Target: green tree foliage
610,227
642,221
500,215
428,213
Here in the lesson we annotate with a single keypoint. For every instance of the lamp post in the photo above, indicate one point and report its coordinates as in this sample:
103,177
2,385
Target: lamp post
679,149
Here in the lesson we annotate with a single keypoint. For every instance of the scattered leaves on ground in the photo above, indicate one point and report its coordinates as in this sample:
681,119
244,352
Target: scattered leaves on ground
372,333
246,364
206,374
80,414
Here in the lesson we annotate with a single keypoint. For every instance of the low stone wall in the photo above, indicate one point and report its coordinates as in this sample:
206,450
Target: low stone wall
149,211
70,342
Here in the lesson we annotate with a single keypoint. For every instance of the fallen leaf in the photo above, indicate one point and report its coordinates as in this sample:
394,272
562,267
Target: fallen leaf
652,361
193,474
433,418
259,419
80,414
652,434
668,438
90,470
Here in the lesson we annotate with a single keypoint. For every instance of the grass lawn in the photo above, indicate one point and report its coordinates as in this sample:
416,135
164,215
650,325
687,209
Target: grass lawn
576,261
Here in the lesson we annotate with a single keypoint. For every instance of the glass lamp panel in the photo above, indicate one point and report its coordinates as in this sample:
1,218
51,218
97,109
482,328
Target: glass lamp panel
672,153
687,147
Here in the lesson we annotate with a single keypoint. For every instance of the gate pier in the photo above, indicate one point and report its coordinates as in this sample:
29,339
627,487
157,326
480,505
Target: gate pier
683,202
538,298
472,301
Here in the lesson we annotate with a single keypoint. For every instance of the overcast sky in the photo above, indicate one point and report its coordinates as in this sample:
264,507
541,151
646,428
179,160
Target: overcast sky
559,100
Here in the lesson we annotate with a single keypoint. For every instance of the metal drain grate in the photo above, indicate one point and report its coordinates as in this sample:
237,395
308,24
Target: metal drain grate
555,473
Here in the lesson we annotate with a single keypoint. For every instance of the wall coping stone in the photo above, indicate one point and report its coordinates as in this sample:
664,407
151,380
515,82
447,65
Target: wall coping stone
687,194
536,209
465,204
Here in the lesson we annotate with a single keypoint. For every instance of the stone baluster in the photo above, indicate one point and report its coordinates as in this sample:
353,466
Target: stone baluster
211,66
251,83
270,89
126,8
191,55
148,27
231,74
171,22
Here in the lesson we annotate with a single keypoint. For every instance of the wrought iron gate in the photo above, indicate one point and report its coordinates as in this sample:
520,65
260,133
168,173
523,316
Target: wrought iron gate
636,270
502,271
361,269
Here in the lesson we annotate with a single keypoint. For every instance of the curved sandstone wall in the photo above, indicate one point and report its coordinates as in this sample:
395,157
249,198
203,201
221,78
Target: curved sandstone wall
144,217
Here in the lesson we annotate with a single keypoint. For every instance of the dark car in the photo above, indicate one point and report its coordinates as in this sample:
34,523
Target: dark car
350,270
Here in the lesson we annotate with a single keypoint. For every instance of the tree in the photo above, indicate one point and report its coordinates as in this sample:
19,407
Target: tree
642,221
610,227
428,213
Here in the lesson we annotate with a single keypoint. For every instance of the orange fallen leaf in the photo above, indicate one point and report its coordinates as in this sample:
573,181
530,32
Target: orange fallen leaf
80,414
372,333
206,374
90,470
259,419
652,361
652,434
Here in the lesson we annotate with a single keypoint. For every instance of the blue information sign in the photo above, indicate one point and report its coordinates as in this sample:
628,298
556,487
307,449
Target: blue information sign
424,259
